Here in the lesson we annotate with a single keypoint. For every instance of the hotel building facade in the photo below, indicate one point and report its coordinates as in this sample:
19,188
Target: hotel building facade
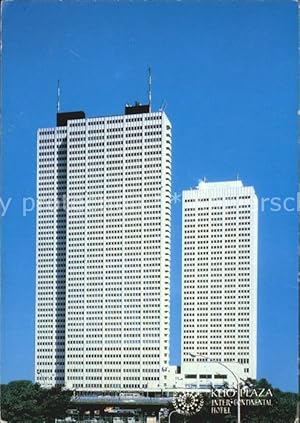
219,281
103,251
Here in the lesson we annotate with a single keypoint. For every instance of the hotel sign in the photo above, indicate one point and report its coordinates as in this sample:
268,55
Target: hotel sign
222,400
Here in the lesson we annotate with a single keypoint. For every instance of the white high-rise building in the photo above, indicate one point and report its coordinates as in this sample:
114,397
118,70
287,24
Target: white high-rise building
219,278
103,251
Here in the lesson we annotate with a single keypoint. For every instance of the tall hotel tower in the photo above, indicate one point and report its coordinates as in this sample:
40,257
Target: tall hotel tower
103,251
219,275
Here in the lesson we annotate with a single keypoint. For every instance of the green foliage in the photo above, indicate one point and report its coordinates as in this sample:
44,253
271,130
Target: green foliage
53,403
19,401
25,402
282,410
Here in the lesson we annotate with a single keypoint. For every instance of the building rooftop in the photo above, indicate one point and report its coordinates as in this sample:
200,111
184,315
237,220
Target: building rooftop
203,185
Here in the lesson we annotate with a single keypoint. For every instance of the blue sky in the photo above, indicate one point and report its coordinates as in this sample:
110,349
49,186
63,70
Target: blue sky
228,73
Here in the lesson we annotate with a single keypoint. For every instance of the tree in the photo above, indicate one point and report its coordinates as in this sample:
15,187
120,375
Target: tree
25,402
282,410
19,402
53,403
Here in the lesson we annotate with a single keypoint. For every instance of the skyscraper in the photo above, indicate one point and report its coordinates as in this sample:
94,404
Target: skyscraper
103,251
219,274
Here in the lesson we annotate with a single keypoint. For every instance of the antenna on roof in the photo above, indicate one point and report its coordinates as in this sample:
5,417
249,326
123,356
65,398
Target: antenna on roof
58,97
149,89
163,106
